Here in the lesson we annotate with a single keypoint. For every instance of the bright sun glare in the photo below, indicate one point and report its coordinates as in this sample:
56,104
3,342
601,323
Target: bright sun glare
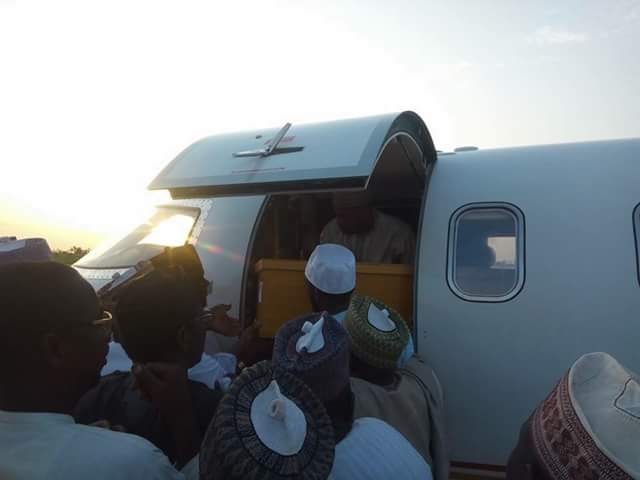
170,232
97,97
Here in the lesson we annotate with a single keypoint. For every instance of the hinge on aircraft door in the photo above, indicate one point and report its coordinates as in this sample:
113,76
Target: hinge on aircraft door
272,148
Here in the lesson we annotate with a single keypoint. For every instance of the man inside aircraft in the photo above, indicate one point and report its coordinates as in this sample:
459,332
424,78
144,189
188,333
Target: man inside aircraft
52,347
372,236
331,279
377,337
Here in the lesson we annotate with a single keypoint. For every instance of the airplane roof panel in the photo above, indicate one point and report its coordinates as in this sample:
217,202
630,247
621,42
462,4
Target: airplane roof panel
312,157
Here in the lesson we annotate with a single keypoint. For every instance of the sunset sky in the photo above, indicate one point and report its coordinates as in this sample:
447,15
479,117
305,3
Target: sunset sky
96,97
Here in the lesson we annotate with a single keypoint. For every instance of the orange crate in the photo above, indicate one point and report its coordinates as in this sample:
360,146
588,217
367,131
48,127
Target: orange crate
282,293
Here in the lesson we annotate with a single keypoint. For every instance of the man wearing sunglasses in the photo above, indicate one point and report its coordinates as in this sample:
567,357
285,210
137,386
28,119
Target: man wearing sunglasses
53,343
184,262
159,319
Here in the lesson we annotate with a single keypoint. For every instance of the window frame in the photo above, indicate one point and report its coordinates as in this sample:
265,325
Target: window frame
519,221
191,238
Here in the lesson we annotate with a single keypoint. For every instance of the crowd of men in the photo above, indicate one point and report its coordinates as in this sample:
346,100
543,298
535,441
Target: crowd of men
129,393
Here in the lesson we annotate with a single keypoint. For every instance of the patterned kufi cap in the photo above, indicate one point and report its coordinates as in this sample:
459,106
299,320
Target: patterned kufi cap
315,348
268,426
378,334
589,426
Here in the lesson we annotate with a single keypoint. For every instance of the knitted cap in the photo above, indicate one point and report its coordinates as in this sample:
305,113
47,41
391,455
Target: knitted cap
268,426
378,334
319,356
588,427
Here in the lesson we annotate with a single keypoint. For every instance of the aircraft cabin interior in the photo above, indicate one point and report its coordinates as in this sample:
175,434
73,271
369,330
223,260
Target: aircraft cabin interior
289,228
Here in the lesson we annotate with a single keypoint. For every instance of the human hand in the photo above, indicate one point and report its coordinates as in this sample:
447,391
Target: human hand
219,321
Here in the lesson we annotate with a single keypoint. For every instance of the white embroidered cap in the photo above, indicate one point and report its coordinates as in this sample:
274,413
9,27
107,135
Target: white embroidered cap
332,269
606,398
279,423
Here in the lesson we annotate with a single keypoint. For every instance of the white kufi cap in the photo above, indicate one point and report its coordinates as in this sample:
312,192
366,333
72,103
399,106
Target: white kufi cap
332,269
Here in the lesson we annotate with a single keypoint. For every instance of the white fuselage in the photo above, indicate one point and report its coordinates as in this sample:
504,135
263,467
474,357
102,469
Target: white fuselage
497,358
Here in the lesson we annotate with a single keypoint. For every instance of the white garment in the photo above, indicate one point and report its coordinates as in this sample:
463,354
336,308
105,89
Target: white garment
374,450
390,240
340,317
52,446
117,360
210,370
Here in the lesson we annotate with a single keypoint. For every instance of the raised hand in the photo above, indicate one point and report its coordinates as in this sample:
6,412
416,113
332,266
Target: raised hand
219,321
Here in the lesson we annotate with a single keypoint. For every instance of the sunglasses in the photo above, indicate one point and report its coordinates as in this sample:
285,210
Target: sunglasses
104,323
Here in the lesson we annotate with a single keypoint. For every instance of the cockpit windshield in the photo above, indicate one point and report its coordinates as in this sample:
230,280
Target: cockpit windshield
167,227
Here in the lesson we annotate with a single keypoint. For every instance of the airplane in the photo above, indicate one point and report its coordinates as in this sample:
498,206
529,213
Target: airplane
526,257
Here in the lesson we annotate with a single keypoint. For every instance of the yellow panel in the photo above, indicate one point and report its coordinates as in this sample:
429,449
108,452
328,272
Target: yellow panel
283,294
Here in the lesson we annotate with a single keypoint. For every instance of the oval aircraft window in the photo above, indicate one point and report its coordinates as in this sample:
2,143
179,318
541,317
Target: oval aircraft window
485,252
